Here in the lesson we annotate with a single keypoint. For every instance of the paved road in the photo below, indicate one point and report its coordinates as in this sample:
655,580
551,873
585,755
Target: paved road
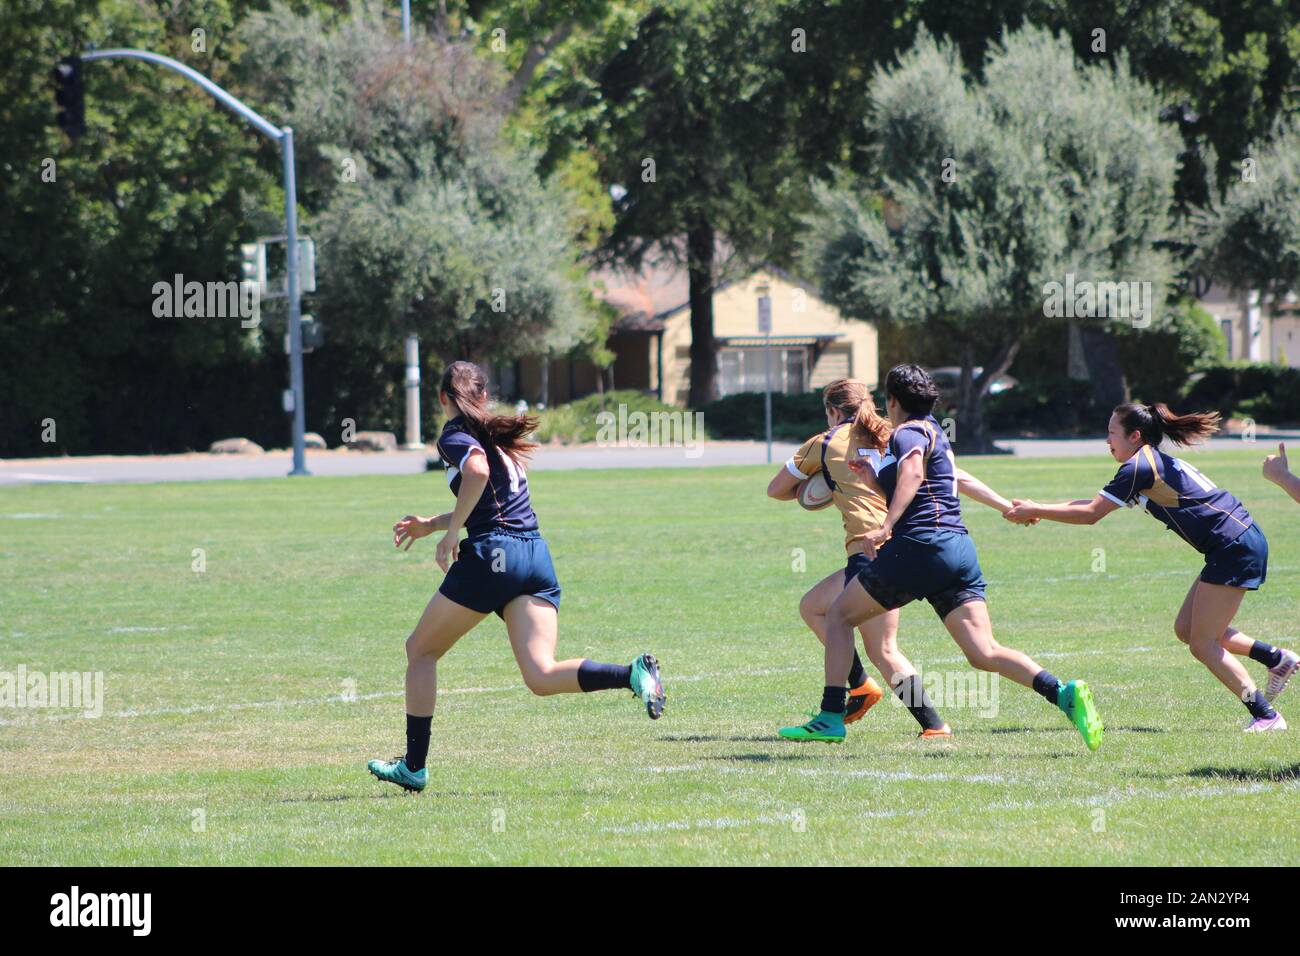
276,464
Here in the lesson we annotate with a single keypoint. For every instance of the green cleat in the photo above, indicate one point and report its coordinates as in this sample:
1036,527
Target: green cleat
394,771
647,685
1075,701
825,727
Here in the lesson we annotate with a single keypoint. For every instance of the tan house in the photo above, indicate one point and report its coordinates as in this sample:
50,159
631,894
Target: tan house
1255,332
811,344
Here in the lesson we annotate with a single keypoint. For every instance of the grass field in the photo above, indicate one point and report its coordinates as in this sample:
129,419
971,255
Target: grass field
228,735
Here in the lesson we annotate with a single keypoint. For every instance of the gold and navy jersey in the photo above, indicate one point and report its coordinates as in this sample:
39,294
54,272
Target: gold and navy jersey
1180,497
935,507
504,504
860,501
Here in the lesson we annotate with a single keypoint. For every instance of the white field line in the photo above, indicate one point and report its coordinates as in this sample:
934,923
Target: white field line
381,695
1108,798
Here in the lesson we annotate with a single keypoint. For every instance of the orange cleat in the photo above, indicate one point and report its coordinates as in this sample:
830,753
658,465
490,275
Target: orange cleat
861,699
936,733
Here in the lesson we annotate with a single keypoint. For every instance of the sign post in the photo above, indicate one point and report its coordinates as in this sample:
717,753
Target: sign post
765,327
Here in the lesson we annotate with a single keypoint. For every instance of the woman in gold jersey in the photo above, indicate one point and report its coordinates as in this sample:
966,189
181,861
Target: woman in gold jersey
855,430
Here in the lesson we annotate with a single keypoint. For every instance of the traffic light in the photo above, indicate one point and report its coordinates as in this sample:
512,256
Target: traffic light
70,95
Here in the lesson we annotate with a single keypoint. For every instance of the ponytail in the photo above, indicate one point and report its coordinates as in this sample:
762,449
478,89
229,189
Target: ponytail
1156,423
852,399
465,386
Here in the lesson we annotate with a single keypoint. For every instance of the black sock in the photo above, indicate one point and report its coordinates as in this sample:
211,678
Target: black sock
857,673
918,703
1048,686
833,699
593,675
1266,654
417,742
1258,706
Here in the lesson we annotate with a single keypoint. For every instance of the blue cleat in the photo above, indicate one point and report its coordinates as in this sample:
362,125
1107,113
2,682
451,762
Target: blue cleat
395,771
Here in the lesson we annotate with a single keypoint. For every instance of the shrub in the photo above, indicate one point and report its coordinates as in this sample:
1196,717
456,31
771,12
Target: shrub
1267,393
1056,406
740,416
577,421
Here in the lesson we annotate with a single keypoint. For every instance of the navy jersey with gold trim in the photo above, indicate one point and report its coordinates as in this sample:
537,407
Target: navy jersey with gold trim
935,507
505,504
1179,497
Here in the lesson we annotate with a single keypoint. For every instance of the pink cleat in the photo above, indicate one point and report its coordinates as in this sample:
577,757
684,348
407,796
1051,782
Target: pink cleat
1259,725
1280,676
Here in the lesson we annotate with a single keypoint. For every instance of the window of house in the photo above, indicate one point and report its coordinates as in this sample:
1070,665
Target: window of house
1226,326
743,370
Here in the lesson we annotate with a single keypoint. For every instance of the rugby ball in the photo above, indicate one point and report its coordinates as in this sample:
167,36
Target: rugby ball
814,494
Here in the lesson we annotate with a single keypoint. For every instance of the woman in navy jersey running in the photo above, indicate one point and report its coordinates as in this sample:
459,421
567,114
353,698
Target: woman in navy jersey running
1210,520
922,550
503,566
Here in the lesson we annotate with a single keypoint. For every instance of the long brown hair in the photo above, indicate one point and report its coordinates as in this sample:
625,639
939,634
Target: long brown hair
852,399
465,386
1157,422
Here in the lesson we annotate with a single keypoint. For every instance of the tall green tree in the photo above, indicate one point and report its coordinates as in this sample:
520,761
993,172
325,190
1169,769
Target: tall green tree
1250,239
161,184
709,119
428,219
1044,171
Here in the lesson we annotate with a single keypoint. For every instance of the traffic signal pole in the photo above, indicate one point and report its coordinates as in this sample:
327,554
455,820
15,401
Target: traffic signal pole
284,136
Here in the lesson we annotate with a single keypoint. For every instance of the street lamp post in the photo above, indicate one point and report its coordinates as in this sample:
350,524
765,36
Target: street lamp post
284,136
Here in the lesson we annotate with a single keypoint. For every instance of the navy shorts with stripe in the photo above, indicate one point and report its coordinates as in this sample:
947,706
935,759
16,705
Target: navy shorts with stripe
495,568
1242,563
856,563
938,566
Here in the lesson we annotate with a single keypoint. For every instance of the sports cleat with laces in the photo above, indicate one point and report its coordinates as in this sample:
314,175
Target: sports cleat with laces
861,699
1262,725
936,733
825,727
647,685
1075,701
395,771
1280,676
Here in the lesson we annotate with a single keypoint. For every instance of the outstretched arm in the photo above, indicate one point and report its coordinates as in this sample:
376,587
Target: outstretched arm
976,490
1082,511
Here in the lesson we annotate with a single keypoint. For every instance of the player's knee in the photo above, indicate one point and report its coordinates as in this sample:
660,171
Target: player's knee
983,658
1204,651
415,649
538,679
809,609
1183,629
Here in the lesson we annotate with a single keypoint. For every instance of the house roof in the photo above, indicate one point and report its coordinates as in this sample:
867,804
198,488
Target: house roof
662,285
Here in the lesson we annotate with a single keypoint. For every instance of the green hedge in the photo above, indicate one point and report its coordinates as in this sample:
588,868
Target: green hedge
794,417
577,421
1266,393
1058,406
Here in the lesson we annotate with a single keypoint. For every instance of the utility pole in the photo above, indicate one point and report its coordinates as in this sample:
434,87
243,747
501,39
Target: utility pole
284,136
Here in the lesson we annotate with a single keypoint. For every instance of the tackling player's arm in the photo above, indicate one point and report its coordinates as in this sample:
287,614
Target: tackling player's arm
1083,511
1278,471
911,472
976,490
